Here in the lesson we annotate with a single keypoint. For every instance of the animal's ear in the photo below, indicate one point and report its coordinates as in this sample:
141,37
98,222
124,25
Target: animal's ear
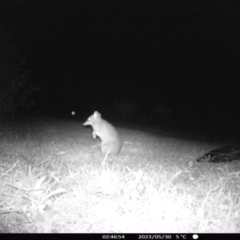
97,114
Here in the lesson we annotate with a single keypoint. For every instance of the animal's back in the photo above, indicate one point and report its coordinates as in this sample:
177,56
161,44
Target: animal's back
110,138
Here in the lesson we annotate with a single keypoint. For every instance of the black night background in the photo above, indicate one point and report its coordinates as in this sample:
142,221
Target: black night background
120,116
91,55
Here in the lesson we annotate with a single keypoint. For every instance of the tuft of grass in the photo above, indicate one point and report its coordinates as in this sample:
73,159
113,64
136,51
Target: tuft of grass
53,180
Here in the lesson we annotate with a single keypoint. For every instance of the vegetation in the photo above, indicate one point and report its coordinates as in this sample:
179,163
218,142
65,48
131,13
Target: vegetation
54,179
15,87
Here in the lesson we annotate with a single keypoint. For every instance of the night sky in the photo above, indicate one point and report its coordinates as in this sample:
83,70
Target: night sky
87,55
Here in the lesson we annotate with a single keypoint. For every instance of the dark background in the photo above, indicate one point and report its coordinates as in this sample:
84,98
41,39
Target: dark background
88,55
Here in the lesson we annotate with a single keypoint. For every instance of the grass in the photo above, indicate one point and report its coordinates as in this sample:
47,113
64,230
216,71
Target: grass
52,180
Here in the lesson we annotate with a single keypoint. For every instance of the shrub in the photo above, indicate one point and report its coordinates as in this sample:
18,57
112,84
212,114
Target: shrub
125,109
15,88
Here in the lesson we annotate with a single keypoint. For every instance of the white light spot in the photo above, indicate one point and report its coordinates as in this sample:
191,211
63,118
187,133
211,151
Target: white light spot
195,236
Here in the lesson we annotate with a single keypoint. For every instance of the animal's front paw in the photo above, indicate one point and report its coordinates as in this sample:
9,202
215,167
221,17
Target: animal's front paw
94,135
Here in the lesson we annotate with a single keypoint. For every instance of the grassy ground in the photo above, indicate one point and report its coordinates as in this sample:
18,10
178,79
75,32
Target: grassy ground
52,180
